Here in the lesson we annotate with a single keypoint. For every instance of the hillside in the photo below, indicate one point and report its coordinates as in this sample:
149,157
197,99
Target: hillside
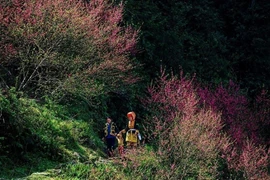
194,72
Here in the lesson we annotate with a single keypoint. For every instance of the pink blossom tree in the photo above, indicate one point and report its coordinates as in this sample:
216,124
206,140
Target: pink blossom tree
243,119
194,128
65,46
245,123
188,137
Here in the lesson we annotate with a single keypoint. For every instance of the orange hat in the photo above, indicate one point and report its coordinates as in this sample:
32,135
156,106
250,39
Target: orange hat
132,115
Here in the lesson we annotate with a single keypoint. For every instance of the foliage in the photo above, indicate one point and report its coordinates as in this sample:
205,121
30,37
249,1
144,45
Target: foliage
242,119
188,139
253,161
246,124
92,171
247,30
28,127
64,47
81,53
185,34
192,135
142,163
217,40
233,106
71,52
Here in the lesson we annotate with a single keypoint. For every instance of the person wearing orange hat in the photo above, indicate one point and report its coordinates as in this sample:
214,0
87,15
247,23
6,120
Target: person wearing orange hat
132,134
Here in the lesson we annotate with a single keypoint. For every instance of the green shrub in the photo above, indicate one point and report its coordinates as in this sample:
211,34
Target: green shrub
42,128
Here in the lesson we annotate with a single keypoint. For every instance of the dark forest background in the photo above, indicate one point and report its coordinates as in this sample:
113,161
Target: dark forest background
218,40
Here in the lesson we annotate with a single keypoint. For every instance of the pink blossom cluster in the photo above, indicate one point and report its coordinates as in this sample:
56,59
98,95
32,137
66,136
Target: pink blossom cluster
218,122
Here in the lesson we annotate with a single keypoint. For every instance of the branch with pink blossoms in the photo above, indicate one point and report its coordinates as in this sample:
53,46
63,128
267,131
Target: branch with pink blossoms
88,47
192,125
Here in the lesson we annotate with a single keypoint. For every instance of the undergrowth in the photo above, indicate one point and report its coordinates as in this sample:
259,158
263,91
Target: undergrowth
36,136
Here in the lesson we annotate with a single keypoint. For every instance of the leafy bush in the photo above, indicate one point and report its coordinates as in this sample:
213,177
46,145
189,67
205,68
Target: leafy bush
246,123
28,127
142,163
61,47
190,137
105,170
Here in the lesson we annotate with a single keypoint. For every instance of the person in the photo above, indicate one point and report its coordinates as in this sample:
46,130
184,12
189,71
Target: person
132,135
120,140
110,136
